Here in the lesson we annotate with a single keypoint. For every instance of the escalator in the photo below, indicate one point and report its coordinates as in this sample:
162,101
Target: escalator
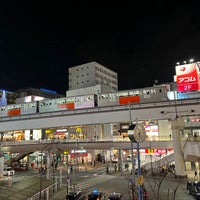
157,165
17,158
192,149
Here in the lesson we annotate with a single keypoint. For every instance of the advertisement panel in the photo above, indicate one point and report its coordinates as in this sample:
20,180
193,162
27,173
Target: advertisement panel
129,99
187,77
14,112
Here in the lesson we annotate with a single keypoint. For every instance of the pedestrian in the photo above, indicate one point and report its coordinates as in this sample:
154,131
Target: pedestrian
195,136
71,168
195,173
107,170
126,167
45,170
115,168
56,165
37,164
41,170
32,165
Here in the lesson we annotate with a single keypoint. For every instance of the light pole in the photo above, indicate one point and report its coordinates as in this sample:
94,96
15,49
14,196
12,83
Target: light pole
66,153
130,133
137,134
75,165
41,172
140,178
1,158
151,158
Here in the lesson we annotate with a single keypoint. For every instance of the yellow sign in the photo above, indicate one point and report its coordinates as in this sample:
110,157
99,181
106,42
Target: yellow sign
66,152
140,180
150,150
78,130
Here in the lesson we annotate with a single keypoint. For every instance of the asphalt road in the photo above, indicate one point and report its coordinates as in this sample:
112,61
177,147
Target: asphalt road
170,189
25,185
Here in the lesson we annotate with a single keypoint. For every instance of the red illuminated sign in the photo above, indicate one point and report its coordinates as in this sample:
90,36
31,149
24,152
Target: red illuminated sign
155,151
69,105
72,155
187,77
129,99
13,112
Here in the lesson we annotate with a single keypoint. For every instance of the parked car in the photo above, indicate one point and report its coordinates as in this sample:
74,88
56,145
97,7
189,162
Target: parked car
114,196
76,195
20,167
96,195
8,171
194,190
191,183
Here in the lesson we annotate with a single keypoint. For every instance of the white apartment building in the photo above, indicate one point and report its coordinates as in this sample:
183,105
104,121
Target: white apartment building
92,74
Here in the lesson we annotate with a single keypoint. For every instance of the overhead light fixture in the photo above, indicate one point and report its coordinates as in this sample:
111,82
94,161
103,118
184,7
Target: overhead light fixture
188,111
191,60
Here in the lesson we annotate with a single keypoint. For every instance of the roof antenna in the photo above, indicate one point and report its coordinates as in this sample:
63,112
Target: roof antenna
155,82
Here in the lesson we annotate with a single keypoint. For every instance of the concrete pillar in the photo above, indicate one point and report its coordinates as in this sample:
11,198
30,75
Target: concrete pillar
1,166
48,164
119,159
47,194
177,125
199,165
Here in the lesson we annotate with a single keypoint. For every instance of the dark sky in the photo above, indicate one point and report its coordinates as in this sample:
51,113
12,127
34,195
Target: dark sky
39,41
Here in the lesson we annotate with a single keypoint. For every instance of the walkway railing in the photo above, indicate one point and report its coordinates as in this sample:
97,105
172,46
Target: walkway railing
80,140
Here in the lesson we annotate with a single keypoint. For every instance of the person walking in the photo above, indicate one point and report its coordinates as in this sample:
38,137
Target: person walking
195,174
195,136
115,168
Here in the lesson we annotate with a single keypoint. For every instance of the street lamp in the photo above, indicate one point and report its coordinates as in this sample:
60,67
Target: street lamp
66,153
75,164
137,134
130,135
41,173
1,156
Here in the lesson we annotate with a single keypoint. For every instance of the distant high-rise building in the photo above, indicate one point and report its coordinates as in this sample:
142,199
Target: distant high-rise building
3,100
39,92
92,74
8,97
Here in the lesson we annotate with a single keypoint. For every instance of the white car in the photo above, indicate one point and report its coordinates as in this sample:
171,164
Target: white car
8,171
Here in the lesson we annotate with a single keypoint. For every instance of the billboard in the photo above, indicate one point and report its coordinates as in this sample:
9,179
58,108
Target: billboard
187,77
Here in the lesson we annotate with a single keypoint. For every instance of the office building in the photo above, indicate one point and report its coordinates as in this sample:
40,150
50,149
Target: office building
92,74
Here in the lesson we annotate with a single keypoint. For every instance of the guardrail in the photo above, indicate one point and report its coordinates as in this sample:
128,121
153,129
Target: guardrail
45,193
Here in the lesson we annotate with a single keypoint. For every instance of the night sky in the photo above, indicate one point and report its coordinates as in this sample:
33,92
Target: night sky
141,42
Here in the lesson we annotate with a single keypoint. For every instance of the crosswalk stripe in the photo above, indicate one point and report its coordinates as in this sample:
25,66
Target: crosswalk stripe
85,184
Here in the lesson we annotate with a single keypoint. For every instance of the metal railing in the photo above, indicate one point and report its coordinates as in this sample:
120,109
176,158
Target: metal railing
60,141
46,193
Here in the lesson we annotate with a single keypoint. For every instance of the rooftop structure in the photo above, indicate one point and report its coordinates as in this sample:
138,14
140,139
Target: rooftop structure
92,74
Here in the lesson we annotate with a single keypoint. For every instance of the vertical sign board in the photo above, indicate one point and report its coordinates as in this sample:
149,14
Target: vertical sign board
187,77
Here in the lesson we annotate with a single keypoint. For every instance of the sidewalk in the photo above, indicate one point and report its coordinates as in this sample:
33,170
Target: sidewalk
22,189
